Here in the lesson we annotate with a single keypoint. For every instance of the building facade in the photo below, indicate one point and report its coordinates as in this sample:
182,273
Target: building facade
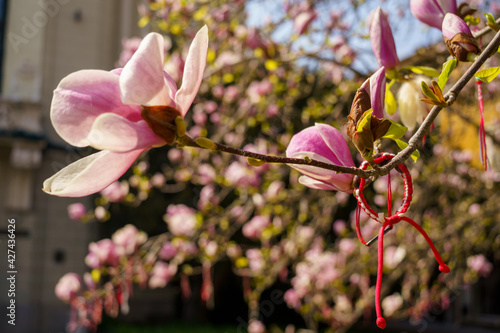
41,42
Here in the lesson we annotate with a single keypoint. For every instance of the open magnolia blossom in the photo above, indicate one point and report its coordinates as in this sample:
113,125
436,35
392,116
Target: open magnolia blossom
432,12
323,143
121,113
382,40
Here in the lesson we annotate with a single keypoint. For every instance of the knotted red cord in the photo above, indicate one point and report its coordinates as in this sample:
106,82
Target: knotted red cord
387,223
482,137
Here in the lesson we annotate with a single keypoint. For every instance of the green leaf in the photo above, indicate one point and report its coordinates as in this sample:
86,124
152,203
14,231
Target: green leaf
428,92
488,74
425,70
402,145
471,20
365,122
490,21
489,18
448,67
396,131
390,102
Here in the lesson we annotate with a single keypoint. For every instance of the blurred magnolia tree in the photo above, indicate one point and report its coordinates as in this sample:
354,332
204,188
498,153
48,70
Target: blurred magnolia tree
263,83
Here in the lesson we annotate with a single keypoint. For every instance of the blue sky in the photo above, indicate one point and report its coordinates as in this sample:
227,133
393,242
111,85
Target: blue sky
409,33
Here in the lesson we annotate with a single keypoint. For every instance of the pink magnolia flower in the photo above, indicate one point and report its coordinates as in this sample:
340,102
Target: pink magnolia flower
120,112
292,299
68,286
302,14
323,143
89,281
382,40
256,326
116,191
206,174
255,260
480,265
167,251
392,303
128,239
274,190
253,228
347,246
76,211
208,197
101,253
432,12
240,175
129,46
302,21
161,274
258,89
181,220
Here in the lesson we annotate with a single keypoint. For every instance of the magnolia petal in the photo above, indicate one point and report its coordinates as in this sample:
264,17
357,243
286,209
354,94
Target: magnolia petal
342,181
411,109
432,12
366,86
193,71
336,142
115,133
142,80
452,25
377,92
117,71
310,140
382,40
90,174
316,184
80,98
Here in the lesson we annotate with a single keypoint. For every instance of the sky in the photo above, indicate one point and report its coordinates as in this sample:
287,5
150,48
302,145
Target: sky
409,33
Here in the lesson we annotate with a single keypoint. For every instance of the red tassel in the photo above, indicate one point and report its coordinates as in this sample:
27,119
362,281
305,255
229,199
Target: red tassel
380,271
442,266
389,195
482,138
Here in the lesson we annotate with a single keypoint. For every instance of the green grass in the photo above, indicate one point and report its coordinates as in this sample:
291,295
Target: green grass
175,327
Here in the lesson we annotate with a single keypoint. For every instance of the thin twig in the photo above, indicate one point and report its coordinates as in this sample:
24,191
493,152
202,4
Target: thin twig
484,30
187,141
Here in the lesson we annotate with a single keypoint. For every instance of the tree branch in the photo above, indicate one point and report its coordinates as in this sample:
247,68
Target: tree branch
450,97
401,157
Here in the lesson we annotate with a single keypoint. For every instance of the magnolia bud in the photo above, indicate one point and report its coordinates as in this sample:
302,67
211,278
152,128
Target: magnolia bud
432,12
382,40
458,38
